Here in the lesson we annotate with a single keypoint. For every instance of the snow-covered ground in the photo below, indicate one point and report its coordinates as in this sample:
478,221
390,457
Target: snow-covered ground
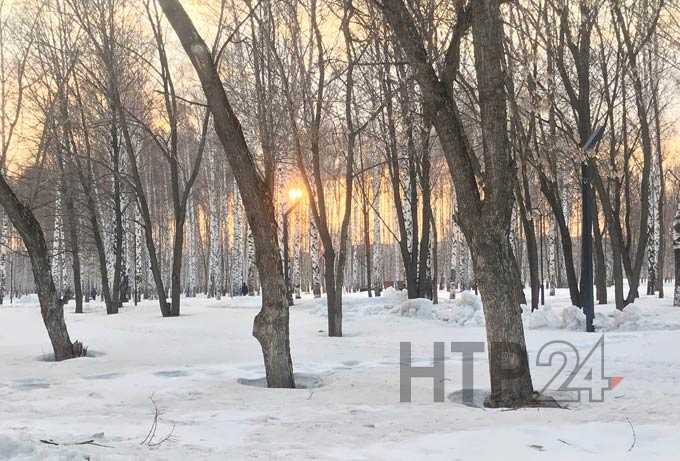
192,369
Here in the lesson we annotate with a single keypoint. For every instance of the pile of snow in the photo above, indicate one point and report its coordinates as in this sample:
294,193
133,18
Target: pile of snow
393,293
571,318
12,449
361,305
541,318
418,308
26,450
632,318
27,299
466,310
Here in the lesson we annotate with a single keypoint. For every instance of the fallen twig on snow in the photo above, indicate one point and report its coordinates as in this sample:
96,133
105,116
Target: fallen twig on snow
151,435
632,445
85,442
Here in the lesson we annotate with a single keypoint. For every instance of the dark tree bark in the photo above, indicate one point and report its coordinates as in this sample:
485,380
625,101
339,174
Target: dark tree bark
271,327
491,252
72,225
51,307
85,175
551,192
525,212
660,269
179,192
366,233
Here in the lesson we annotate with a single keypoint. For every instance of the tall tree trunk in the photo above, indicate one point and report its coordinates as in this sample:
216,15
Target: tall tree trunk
551,192
72,223
532,247
600,265
662,177
177,253
367,242
271,326
492,255
333,297
676,253
86,176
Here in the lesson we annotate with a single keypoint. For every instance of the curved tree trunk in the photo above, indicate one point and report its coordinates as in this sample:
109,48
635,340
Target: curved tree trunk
271,326
51,307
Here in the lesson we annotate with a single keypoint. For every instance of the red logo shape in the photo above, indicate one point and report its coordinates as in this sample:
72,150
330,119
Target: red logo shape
614,381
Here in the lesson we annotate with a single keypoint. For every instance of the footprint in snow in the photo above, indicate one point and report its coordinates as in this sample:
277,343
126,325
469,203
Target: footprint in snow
171,373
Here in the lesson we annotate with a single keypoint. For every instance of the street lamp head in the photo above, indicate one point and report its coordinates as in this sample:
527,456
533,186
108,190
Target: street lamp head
294,194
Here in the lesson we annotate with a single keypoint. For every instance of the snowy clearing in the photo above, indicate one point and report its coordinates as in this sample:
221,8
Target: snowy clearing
195,368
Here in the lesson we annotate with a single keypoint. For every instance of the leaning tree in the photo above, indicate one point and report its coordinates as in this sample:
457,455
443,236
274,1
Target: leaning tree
271,326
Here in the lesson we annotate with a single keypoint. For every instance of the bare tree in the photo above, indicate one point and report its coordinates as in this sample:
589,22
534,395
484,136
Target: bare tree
492,209
25,222
271,324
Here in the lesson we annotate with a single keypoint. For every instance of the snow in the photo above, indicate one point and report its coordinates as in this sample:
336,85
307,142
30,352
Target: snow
204,372
465,310
418,308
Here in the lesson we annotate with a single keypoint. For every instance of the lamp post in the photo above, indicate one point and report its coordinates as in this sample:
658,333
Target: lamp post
294,196
586,282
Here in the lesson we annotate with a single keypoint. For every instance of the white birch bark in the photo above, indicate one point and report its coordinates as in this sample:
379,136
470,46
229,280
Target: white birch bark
191,250
377,247
236,251
552,269
58,248
296,280
453,260
214,286
252,268
314,255
4,240
653,226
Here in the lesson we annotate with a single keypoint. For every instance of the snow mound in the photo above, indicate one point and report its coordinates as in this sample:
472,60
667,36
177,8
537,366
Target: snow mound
627,319
11,449
633,318
27,299
465,310
571,318
26,450
418,308
354,307
542,318
391,292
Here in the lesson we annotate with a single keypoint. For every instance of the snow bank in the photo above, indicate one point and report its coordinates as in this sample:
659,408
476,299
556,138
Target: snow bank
466,310
571,318
27,299
26,450
11,449
418,308
393,293
632,318
361,305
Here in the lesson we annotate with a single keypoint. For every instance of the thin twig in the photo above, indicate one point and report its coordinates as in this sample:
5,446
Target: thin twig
632,445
